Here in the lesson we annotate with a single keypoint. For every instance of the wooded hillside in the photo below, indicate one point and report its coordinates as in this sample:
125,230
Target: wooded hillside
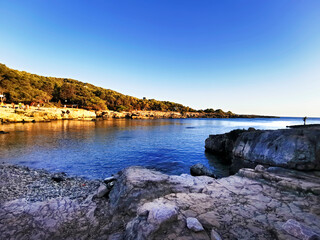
20,86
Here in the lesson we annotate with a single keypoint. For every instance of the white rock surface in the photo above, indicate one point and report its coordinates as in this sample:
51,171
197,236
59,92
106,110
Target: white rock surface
194,224
299,231
160,213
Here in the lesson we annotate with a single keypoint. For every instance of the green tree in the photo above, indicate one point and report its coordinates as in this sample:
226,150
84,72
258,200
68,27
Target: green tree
67,92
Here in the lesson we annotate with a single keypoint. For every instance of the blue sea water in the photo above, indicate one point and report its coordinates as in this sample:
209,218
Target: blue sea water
96,150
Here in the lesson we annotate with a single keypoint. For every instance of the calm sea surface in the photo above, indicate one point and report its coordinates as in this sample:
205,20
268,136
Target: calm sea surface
99,149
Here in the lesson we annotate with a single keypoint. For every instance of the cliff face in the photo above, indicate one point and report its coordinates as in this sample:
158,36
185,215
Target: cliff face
290,148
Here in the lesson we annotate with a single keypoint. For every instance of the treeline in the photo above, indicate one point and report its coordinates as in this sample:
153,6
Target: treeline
20,86
24,87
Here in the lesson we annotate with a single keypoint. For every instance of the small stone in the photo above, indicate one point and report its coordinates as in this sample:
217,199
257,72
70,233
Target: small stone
299,231
214,235
102,191
259,168
194,225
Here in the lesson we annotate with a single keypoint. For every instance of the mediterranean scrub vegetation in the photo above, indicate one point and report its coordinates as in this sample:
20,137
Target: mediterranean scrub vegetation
20,86
24,87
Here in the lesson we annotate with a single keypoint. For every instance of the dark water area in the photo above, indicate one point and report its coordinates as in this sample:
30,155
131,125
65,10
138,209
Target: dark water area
96,150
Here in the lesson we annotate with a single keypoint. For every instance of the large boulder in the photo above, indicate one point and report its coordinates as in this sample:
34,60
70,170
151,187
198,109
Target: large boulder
290,148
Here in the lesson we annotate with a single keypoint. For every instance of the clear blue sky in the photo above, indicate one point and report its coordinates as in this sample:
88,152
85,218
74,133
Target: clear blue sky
260,57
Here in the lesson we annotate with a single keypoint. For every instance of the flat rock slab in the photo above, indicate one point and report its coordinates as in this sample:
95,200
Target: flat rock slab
299,231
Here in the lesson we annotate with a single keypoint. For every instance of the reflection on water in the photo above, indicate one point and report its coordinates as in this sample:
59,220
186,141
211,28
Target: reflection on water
99,149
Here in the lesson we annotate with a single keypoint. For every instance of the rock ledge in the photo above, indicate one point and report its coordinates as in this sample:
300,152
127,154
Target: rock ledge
146,204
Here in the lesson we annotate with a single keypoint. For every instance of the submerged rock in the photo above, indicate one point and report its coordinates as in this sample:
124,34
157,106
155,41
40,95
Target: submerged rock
201,170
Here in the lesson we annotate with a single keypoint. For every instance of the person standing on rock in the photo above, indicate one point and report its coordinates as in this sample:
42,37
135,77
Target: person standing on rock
304,120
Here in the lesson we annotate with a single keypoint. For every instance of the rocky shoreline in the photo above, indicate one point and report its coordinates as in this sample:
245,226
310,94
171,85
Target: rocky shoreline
276,200
39,185
171,114
44,114
145,204
34,114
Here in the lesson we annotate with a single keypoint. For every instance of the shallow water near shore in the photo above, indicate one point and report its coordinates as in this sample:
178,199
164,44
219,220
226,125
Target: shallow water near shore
98,149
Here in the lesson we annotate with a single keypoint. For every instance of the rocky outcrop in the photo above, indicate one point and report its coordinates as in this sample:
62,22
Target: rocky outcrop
44,114
140,114
223,144
289,148
246,206
143,115
33,114
146,204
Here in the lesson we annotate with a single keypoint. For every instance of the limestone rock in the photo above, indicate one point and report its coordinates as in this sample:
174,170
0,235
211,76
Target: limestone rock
102,191
109,179
134,184
299,231
259,168
146,204
194,224
289,148
161,213
150,218
214,235
223,144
